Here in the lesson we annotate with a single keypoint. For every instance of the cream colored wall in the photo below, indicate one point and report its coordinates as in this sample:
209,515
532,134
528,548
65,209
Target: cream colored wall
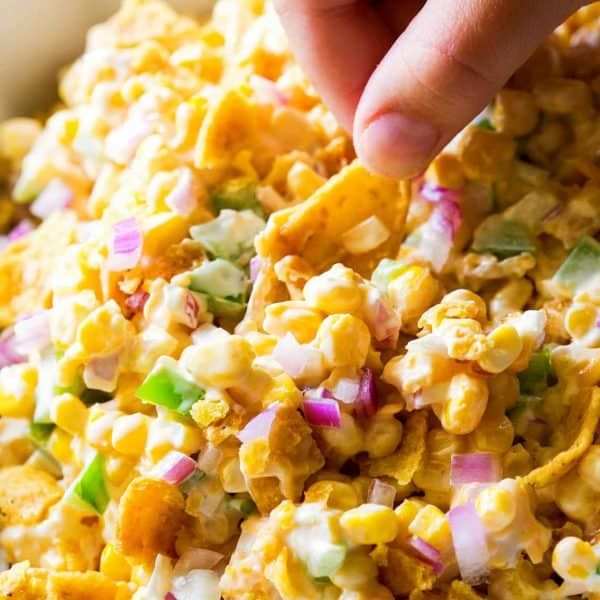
37,37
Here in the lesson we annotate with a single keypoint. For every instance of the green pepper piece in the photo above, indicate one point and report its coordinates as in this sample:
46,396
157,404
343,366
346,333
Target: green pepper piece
237,194
534,379
503,237
386,271
89,489
580,267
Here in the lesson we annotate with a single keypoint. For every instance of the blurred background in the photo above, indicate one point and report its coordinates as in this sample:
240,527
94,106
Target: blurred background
38,37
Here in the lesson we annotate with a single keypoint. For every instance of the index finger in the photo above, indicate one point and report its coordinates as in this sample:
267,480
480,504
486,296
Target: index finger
338,43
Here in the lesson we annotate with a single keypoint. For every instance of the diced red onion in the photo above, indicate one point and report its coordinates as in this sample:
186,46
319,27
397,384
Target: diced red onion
365,405
381,493
182,198
255,267
259,426
8,352
175,467
470,543
55,196
322,413
170,596
434,193
209,459
346,390
196,558
126,245
319,393
427,553
479,467
21,229
136,302
100,373
446,218
382,320
266,91
296,359
122,143
32,333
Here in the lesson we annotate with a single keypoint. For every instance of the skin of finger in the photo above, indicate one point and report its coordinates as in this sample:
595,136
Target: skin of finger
453,57
338,43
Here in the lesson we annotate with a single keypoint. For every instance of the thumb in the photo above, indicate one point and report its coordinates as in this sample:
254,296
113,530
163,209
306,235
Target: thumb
441,72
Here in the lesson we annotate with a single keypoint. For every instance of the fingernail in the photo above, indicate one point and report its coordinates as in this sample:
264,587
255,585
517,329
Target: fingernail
397,145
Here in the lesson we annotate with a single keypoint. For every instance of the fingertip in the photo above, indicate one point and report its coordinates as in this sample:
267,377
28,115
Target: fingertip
395,144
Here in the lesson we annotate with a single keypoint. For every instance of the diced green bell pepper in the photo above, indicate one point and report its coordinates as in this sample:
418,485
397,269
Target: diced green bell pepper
237,194
164,386
580,267
503,238
89,489
534,379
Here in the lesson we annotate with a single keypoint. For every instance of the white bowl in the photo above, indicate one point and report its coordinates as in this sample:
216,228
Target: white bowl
38,37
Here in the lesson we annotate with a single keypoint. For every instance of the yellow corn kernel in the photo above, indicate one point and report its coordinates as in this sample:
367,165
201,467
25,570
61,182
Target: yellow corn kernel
574,558
231,476
119,468
506,346
212,408
297,318
69,413
431,524
496,507
59,445
113,564
347,440
580,323
163,230
67,314
370,524
104,330
406,511
467,401
493,434
98,431
357,572
336,494
282,389
129,434
165,435
382,435
219,362
412,292
338,290
17,391
148,346
416,370
17,137
261,343
344,341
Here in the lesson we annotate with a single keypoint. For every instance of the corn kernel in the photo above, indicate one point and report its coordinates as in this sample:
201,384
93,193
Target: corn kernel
336,494
336,291
118,469
104,330
220,362
405,512
496,507
493,434
382,435
69,413
506,348
165,435
467,401
344,341
129,434
370,524
574,559
261,343
113,564
59,445
412,292
580,323
431,524
17,391
358,570
347,440
297,318
98,431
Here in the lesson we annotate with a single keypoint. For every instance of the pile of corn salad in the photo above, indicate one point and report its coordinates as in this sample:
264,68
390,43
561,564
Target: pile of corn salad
234,364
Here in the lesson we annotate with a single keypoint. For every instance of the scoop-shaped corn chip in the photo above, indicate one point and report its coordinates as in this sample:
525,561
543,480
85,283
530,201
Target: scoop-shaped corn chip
405,573
26,494
21,582
314,228
151,512
91,585
26,267
583,418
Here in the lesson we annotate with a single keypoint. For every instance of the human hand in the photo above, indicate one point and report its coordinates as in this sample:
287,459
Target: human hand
406,75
